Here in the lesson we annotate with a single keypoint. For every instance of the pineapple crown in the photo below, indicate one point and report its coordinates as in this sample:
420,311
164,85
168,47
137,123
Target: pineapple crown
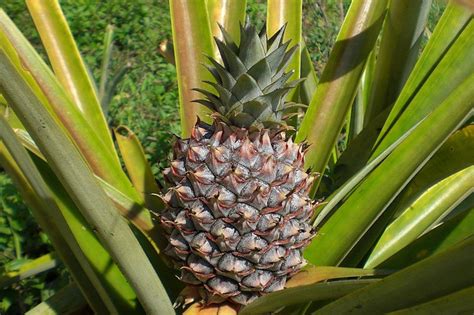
251,85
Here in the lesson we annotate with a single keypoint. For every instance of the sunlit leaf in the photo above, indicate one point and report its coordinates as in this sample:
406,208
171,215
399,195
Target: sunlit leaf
345,227
192,41
338,84
427,210
68,65
416,101
435,241
279,13
81,185
301,294
429,279
138,167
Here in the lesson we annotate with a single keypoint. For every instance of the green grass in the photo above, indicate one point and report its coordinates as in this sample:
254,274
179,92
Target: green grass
146,101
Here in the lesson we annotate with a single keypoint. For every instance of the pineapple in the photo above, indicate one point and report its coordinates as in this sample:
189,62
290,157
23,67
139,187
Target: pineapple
238,206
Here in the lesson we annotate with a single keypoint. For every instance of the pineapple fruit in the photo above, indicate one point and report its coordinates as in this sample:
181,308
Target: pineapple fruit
238,207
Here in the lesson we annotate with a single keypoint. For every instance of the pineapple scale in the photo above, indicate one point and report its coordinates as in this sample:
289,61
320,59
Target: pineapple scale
237,211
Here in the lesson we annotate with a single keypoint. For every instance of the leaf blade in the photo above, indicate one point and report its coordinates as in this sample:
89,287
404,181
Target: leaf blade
191,41
400,42
421,214
438,275
280,13
41,80
366,203
138,167
83,188
455,66
68,65
337,86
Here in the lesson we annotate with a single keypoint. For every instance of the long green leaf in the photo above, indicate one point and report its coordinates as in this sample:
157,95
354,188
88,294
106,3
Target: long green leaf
401,36
315,274
431,278
127,207
366,203
138,167
435,241
133,211
453,156
460,302
68,65
84,189
49,216
449,27
419,216
358,151
192,41
280,13
455,67
45,86
66,301
338,85
334,199
109,275
304,294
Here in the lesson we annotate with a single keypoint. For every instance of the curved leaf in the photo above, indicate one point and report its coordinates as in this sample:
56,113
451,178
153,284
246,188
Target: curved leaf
81,185
138,167
127,207
42,82
401,36
429,279
304,294
460,302
69,67
359,151
449,27
343,229
435,241
51,216
454,155
456,66
337,87
434,203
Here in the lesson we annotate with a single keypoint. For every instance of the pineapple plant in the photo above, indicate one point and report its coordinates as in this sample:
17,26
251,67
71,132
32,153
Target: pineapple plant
239,206
392,143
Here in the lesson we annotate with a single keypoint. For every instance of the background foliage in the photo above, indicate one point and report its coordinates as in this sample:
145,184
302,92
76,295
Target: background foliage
146,101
